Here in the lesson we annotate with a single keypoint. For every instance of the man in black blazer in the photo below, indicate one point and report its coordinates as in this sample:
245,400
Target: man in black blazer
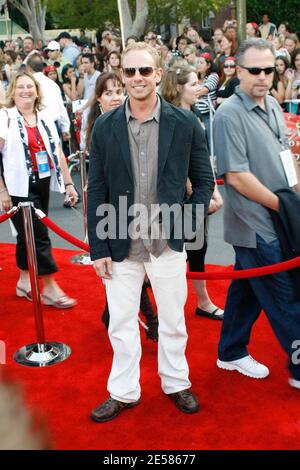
141,155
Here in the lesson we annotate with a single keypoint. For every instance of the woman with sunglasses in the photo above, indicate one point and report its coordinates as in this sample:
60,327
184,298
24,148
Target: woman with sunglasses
180,87
189,54
229,80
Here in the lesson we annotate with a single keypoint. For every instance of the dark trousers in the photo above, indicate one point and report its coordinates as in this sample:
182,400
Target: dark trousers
196,258
207,123
247,297
38,194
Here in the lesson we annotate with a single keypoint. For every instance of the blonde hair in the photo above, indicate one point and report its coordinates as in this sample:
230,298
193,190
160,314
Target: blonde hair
10,93
190,49
170,81
142,46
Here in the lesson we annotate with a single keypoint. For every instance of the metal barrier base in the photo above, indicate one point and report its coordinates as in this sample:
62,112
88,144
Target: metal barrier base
42,355
83,258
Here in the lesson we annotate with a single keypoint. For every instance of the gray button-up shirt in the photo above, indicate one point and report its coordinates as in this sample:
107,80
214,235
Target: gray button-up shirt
143,142
249,139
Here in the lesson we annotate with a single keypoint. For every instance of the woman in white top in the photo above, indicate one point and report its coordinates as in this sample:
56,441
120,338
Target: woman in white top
32,164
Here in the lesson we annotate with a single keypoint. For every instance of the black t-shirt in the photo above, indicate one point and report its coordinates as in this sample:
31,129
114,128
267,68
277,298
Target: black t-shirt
229,88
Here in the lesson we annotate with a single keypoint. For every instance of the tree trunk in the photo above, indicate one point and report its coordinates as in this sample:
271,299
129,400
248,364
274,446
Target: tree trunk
139,24
34,12
36,32
136,27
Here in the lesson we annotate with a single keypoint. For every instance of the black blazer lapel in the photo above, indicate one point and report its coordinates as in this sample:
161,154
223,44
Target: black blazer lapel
166,130
121,133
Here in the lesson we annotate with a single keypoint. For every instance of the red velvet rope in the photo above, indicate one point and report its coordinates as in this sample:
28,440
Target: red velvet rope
241,274
7,215
59,231
248,273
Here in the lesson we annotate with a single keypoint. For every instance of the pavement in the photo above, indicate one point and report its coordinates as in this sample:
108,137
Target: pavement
71,220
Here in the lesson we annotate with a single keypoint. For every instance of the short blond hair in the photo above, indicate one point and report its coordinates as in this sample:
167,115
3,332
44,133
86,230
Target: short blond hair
142,46
190,49
10,93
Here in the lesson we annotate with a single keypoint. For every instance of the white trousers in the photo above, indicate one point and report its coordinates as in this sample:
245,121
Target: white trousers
167,275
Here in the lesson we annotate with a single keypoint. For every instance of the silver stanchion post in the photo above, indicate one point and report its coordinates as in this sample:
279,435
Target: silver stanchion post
38,354
83,258
211,131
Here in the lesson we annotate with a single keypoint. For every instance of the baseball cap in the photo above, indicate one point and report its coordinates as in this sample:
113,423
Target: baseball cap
64,35
53,46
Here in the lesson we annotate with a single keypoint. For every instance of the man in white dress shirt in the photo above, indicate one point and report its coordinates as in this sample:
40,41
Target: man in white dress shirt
52,98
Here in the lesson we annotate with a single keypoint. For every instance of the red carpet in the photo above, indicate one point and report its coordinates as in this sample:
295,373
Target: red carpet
237,412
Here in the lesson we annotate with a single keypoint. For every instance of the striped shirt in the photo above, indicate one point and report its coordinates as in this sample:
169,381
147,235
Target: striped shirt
211,83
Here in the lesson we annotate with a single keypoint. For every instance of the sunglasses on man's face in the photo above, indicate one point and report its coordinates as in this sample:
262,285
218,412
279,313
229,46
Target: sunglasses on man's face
130,72
258,70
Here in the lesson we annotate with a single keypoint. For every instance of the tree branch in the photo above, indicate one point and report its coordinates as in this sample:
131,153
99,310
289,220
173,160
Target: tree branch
22,7
139,23
126,12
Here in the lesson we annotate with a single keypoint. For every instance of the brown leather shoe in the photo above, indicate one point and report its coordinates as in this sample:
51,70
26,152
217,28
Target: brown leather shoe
110,409
185,401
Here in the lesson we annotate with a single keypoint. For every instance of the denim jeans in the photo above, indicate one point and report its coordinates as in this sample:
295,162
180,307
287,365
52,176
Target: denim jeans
247,297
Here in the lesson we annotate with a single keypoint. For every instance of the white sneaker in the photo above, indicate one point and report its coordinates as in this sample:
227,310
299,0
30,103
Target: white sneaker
294,383
246,366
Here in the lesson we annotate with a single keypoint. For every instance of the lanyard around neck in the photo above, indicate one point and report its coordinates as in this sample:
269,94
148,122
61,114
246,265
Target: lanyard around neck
276,133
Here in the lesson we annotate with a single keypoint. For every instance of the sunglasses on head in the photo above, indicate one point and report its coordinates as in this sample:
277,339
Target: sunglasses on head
130,72
258,70
229,66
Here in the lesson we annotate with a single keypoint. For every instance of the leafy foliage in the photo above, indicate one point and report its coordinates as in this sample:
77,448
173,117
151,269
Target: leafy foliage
98,13
278,11
166,12
91,14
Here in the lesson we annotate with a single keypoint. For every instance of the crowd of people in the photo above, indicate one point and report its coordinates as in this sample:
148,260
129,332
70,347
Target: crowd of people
77,61
145,115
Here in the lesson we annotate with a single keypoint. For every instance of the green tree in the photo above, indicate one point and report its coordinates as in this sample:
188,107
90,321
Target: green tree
278,10
92,14
99,13
34,11
174,11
